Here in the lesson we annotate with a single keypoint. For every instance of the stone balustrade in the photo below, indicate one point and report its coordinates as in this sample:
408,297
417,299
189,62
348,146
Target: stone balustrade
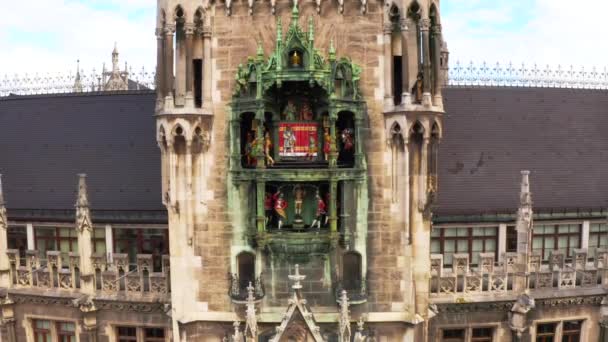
508,275
118,276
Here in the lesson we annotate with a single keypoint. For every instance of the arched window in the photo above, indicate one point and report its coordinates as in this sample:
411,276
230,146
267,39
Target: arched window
351,271
246,269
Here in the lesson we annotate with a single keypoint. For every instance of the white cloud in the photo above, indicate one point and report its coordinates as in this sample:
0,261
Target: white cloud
50,35
542,31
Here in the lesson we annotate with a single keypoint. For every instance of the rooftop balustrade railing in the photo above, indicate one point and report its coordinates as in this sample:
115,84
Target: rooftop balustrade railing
70,82
459,75
110,277
464,279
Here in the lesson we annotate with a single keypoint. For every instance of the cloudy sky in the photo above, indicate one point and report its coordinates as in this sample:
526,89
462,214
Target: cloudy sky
50,35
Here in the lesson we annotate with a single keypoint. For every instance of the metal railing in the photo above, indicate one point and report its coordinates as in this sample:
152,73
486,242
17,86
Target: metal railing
459,75
522,75
66,82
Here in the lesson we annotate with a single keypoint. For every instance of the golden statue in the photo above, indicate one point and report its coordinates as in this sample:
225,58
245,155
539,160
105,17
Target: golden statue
295,59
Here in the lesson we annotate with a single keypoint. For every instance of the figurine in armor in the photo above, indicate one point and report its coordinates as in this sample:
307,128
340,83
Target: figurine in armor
267,149
280,204
298,194
290,111
289,140
326,143
312,146
321,212
347,139
306,114
268,208
249,147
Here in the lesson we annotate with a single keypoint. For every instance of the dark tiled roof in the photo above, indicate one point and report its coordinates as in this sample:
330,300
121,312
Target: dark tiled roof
560,135
490,135
47,140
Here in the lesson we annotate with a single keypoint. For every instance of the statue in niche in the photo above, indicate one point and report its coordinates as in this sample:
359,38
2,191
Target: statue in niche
242,85
268,149
295,60
268,207
312,146
298,195
418,88
290,111
347,140
280,204
326,143
306,113
356,79
321,214
249,148
289,140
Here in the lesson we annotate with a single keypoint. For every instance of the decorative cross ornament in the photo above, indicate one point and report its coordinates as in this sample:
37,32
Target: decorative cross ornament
297,278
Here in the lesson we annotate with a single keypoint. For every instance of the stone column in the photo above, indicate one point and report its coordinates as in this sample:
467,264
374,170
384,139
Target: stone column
259,202
603,321
188,199
189,31
406,190
29,230
5,266
388,66
437,82
160,64
109,243
502,240
585,235
207,77
168,66
405,81
333,212
84,227
422,184
426,61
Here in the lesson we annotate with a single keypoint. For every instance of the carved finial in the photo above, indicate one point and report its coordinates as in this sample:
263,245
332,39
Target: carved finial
83,213
279,30
311,29
77,88
83,199
1,192
344,318
251,325
332,50
525,196
260,51
297,278
115,51
359,336
237,336
3,218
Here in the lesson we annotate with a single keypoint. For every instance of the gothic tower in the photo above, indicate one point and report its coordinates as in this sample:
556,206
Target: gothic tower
415,70
184,121
273,120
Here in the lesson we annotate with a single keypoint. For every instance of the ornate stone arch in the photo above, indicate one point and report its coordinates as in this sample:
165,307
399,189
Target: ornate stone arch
434,10
179,13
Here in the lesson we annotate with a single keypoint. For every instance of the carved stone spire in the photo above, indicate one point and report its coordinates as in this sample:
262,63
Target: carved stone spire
237,336
359,335
524,213
115,67
251,323
296,278
344,333
83,213
77,88
3,219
